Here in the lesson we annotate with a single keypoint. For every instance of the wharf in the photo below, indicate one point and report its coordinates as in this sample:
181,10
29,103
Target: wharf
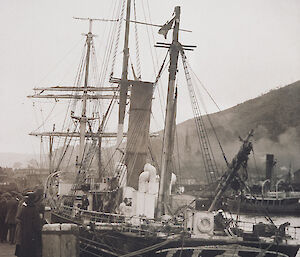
7,250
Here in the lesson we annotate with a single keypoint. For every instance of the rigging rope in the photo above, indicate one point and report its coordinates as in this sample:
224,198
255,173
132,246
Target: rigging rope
118,39
64,152
108,46
210,166
140,118
161,70
208,116
138,63
44,121
72,103
60,61
154,59
210,96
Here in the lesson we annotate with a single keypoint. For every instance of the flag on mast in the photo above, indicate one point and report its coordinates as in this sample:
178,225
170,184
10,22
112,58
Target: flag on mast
166,27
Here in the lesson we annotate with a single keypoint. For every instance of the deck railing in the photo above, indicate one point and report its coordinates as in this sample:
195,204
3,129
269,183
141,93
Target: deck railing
102,220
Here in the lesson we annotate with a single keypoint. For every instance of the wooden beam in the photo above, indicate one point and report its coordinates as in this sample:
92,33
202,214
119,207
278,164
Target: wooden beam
73,134
76,134
79,89
131,82
75,96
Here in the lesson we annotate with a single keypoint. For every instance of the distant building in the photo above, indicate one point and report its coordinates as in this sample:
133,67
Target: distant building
28,178
296,177
30,171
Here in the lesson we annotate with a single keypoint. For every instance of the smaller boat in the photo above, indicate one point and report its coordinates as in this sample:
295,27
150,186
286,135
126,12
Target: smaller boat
271,202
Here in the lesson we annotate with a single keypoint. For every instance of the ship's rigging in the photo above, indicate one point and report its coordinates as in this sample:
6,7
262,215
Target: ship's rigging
114,214
87,92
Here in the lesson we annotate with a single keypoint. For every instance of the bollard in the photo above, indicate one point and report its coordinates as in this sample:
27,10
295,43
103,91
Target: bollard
60,240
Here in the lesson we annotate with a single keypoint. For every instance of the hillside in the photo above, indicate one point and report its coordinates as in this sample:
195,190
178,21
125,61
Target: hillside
275,118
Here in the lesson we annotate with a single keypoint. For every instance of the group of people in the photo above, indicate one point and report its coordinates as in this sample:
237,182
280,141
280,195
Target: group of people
21,219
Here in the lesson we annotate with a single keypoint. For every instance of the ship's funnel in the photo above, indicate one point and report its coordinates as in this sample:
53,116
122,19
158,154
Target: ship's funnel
138,130
269,166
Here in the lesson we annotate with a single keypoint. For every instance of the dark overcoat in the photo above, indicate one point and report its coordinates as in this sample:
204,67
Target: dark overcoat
29,231
3,211
12,207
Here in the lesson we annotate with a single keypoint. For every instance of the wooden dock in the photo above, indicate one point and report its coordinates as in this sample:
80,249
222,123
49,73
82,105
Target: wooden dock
7,250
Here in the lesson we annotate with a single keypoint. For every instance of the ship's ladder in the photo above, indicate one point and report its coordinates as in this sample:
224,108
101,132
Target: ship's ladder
205,146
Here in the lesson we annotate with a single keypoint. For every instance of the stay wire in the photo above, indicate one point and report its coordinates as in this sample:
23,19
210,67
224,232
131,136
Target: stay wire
46,119
206,90
209,118
206,150
138,62
114,9
100,130
64,152
60,61
117,39
73,103
109,45
153,58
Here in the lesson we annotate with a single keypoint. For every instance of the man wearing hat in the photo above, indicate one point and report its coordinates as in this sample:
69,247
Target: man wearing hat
28,229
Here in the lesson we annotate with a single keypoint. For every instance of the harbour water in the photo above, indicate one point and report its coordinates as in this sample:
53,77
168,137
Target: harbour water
293,231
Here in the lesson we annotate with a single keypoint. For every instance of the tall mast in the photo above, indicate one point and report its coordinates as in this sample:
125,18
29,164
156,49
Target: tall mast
50,154
240,160
165,175
124,78
51,151
83,93
83,118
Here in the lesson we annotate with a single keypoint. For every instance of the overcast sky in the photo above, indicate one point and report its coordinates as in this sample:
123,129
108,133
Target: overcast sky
245,48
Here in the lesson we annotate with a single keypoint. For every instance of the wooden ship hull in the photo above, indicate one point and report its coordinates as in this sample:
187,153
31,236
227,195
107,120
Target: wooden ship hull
128,214
116,239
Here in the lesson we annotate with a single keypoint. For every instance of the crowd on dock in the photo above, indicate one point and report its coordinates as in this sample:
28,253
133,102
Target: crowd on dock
21,220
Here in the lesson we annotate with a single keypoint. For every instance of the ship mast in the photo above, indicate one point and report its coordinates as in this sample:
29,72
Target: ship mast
124,78
240,160
83,118
83,93
141,93
51,152
165,175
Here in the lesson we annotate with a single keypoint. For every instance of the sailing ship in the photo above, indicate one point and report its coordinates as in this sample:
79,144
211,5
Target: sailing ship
125,212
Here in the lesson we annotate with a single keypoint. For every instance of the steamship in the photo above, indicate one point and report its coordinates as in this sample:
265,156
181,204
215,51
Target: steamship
272,202
123,208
